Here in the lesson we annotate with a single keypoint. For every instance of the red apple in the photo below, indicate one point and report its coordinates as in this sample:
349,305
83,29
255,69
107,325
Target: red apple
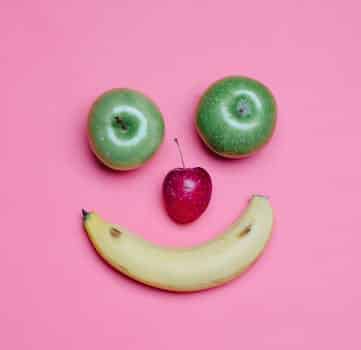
186,192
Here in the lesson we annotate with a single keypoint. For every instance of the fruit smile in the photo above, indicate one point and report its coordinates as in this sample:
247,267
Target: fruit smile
185,269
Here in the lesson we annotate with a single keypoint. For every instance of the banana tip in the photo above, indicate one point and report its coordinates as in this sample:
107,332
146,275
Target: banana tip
84,214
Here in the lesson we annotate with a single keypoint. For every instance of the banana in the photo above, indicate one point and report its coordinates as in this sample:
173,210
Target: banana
185,269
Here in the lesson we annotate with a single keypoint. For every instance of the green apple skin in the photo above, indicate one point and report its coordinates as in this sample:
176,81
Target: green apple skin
125,129
236,116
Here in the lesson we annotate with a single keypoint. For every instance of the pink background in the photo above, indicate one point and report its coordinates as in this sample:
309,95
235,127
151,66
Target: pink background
56,57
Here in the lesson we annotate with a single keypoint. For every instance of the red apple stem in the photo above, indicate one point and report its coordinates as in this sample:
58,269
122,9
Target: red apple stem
180,152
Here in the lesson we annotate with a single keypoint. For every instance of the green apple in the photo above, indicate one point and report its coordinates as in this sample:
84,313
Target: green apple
125,129
236,116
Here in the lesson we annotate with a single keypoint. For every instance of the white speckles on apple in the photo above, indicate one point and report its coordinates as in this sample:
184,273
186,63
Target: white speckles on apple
189,185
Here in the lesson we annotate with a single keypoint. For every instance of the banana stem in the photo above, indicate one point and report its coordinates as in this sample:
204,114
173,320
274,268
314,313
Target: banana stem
84,214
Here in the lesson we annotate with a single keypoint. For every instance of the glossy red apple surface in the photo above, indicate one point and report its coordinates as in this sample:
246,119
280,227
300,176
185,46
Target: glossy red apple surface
186,192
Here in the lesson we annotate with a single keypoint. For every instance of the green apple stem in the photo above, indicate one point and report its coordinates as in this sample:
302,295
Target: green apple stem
120,121
243,109
180,152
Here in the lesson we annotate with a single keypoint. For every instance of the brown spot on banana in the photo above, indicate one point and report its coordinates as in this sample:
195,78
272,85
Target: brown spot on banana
115,232
245,231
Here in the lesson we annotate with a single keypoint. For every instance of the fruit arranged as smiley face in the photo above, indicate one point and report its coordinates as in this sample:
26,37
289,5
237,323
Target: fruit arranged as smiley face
125,129
236,116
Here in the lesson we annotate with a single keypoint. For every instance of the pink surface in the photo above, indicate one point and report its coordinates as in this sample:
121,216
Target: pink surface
56,57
